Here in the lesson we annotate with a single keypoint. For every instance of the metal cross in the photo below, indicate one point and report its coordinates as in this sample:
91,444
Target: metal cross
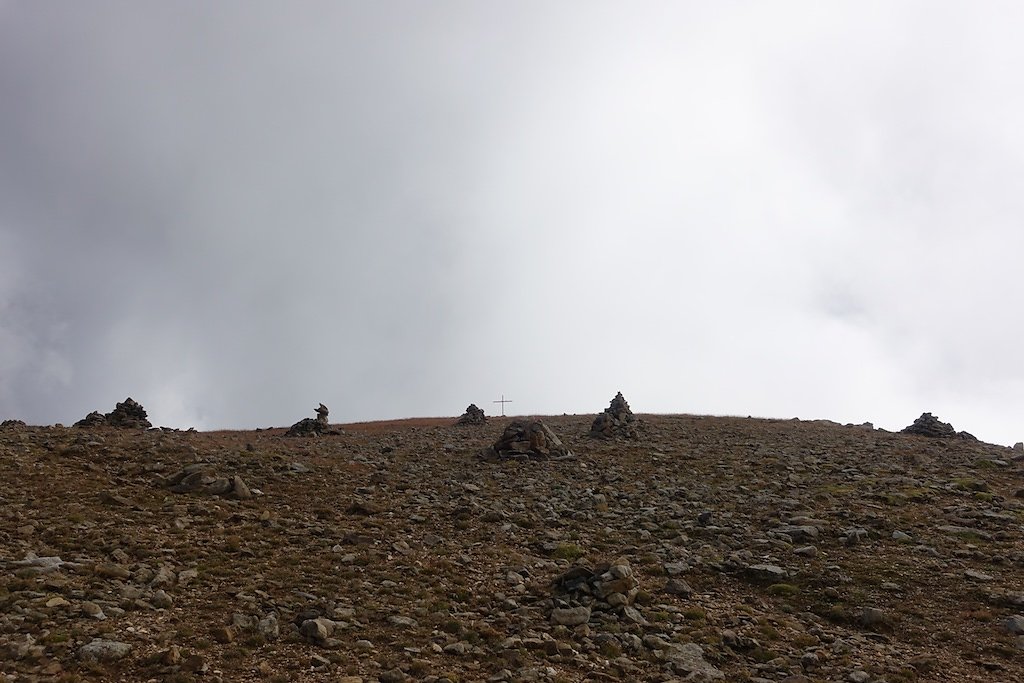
503,401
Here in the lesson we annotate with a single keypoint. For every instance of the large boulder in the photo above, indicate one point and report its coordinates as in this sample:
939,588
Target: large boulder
129,414
929,425
617,420
473,416
527,440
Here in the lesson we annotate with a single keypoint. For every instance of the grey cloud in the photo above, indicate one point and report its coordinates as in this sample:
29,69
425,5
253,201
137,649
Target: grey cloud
234,211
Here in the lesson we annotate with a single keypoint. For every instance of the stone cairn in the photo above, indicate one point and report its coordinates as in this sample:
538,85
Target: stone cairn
600,602
12,424
309,426
129,414
929,425
608,590
531,440
201,478
472,416
617,420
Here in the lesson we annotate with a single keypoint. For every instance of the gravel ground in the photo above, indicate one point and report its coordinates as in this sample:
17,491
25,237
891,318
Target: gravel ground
707,548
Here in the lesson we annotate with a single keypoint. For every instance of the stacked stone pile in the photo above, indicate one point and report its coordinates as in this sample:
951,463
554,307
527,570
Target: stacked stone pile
599,602
202,478
584,591
531,440
617,420
309,426
473,416
93,419
129,414
929,425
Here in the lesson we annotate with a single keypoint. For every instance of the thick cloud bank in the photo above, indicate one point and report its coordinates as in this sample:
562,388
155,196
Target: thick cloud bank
233,211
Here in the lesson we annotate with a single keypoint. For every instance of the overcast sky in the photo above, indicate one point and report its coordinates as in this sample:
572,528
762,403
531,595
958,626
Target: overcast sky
233,211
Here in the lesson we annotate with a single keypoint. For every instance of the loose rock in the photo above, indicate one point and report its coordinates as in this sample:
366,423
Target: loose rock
1015,624
100,650
570,616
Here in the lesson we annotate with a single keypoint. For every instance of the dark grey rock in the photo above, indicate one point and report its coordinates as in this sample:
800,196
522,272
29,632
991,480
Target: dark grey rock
766,573
688,660
1015,624
317,630
678,587
268,626
570,616
798,533
239,489
872,617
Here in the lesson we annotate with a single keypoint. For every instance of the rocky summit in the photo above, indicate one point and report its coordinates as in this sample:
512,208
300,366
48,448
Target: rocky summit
707,549
617,420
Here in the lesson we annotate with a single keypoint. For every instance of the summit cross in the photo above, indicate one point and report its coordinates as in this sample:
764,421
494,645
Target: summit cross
503,401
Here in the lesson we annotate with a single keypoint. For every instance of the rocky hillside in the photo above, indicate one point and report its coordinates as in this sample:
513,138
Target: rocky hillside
700,549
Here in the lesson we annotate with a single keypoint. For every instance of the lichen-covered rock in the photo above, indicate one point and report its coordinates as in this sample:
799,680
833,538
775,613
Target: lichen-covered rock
570,616
527,441
99,650
687,660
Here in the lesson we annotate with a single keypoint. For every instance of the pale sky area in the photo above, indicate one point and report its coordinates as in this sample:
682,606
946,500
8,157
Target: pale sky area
233,211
